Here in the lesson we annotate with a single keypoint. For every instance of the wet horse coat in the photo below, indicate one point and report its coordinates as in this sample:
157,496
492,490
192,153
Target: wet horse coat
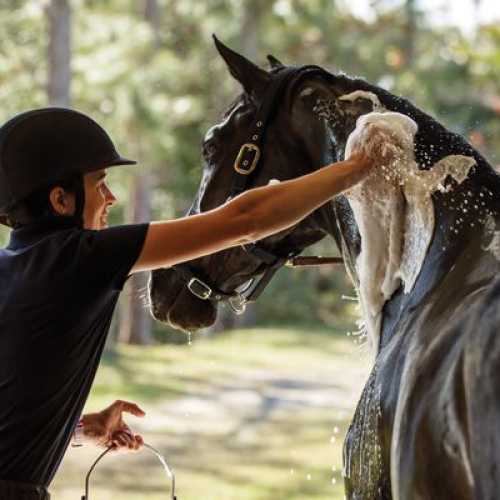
426,424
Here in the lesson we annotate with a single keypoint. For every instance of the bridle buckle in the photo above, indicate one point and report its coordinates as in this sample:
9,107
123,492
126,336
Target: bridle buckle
243,164
198,288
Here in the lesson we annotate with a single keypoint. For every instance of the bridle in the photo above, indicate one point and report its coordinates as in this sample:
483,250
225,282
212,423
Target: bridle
246,163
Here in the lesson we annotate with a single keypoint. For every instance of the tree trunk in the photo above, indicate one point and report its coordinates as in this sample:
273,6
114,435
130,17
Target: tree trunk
135,320
411,30
250,29
136,326
152,16
59,71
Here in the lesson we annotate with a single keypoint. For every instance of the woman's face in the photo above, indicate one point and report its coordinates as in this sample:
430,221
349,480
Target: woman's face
98,199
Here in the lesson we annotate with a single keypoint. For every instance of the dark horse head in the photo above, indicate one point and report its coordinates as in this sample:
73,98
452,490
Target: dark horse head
298,140
422,255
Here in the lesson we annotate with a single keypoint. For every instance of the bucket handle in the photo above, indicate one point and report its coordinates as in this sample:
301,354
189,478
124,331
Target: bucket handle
161,458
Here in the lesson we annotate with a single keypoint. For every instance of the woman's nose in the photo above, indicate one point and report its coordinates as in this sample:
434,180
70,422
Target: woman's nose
110,197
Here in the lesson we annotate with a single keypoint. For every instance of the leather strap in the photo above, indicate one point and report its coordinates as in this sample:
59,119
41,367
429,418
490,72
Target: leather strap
265,256
249,155
306,261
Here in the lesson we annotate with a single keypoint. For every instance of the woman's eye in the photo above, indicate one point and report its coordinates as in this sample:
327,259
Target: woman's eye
209,150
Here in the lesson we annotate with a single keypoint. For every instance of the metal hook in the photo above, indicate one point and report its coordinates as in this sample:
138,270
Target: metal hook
240,308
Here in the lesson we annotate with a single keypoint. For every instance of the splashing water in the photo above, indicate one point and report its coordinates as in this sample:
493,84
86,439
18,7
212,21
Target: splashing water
331,110
393,209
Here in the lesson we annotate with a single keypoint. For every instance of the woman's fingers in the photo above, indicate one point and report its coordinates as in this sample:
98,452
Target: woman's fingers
127,406
139,441
123,440
126,440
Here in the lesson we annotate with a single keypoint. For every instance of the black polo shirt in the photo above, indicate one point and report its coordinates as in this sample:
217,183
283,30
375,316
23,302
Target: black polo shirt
58,291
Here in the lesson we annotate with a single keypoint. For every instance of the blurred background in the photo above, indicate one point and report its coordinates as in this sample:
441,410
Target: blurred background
256,407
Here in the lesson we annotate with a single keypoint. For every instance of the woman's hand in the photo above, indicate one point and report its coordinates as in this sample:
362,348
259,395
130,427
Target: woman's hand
385,138
107,428
361,162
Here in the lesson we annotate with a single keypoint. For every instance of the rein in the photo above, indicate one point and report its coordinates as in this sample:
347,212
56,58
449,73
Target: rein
247,161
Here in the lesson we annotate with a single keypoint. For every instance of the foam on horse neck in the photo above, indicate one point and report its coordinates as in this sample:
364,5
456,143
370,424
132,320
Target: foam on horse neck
393,209
370,96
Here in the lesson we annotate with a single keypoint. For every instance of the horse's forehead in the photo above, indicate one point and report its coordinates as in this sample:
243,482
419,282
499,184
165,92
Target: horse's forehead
215,128
212,131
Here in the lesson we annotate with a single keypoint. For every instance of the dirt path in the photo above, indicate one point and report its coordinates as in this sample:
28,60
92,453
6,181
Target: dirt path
240,420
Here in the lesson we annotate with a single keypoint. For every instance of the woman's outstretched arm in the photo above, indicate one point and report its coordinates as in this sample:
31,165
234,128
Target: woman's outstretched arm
251,216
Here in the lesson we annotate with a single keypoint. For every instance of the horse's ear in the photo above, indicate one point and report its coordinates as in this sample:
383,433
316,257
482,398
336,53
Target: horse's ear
274,62
253,79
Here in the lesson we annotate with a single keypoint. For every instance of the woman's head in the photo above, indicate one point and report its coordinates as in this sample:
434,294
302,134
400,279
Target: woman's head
47,158
58,202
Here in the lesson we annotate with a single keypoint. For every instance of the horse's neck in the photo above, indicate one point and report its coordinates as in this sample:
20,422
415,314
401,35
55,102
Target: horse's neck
399,250
463,258
402,255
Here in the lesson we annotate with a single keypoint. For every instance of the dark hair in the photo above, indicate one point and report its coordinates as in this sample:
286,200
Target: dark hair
37,207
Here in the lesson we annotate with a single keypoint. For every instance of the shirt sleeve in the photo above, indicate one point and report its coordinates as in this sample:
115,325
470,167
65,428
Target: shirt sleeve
108,255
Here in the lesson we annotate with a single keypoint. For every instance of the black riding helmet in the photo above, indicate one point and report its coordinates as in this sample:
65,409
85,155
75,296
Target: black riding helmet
42,147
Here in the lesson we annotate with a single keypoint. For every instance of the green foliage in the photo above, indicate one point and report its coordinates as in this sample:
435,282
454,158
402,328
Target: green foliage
22,53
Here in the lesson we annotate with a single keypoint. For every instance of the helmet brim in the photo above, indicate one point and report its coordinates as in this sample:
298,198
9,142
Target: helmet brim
119,161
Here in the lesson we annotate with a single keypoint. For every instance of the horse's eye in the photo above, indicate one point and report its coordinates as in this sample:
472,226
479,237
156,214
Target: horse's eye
209,150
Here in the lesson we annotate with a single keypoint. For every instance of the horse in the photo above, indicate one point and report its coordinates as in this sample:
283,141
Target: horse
426,425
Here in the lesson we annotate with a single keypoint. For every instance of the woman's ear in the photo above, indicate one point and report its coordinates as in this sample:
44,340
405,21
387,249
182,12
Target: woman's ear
62,202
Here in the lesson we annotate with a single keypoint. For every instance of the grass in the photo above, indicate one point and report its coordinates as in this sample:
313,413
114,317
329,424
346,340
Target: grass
255,415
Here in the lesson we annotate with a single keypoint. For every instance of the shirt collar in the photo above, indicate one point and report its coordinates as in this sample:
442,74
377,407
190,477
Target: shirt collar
27,235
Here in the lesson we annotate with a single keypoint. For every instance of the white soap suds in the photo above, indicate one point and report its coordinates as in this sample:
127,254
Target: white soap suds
419,218
393,209
365,95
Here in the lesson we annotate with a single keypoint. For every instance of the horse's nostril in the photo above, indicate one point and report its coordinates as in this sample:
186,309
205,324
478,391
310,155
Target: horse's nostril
158,313
189,313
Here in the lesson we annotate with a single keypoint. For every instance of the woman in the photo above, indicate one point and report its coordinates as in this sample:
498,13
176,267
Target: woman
63,270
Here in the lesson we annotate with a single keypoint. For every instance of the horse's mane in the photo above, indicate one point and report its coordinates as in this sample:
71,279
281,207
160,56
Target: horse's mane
433,141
